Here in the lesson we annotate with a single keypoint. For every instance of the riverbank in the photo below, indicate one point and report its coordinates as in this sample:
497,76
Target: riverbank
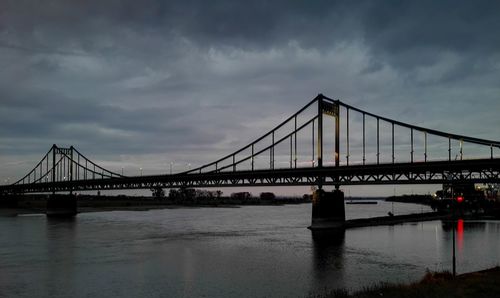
484,283
396,219
415,199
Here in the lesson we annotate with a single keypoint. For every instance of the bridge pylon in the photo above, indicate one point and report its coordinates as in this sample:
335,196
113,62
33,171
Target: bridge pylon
328,210
331,108
62,205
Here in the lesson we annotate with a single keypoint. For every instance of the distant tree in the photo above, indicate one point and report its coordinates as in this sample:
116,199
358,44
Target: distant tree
218,193
188,193
241,195
173,194
267,196
202,194
158,192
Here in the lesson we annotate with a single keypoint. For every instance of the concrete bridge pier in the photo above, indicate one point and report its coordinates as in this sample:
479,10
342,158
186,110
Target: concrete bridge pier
328,210
61,205
8,201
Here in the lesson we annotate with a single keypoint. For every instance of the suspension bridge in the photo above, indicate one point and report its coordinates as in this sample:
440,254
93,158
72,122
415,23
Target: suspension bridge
356,148
293,153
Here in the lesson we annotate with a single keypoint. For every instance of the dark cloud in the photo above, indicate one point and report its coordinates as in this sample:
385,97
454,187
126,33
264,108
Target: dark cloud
399,26
192,80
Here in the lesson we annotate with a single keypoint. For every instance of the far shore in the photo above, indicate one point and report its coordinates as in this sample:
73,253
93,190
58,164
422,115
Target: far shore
36,204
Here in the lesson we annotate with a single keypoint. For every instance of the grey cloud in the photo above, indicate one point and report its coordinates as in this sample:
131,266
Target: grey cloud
189,78
403,34
53,116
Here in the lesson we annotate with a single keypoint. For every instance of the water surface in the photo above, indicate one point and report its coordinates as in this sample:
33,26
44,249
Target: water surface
252,251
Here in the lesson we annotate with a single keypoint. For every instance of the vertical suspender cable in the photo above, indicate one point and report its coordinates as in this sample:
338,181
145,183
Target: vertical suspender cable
347,135
425,146
411,153
393,157
364,144
378,141
449,149
312,160
295,140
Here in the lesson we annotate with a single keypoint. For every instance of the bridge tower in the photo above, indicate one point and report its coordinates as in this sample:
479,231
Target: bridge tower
62,205
328,209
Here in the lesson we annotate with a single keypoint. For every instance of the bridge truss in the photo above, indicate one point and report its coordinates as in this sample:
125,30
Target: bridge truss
293,153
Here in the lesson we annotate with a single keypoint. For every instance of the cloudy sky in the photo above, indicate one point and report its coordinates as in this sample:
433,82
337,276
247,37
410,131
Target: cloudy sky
145,83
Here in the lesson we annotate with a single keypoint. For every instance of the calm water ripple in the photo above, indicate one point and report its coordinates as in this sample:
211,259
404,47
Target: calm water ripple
253,251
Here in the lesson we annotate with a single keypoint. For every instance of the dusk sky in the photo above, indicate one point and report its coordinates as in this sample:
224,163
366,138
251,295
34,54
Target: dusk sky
145,83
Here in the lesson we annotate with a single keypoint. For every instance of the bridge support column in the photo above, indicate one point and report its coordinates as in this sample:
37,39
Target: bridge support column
8,201
62,205
328,210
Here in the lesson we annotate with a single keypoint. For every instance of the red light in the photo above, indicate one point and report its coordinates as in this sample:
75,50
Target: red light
460,199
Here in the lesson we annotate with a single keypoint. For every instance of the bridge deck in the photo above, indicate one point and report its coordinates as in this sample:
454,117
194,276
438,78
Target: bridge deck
431,172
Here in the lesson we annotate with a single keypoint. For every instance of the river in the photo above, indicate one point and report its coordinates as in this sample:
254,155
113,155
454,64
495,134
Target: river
252,251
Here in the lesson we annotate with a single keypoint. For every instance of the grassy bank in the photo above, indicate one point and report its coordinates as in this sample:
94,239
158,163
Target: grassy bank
477,284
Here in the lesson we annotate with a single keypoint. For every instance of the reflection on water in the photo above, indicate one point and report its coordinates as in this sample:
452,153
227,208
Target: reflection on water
61,235
476,243
460,234
327,258
253,251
